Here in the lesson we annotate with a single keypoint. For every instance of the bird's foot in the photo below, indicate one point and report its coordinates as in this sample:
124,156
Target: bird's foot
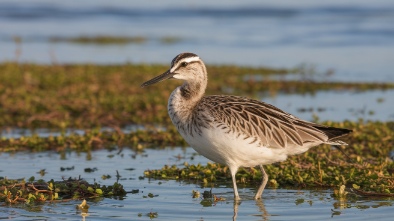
257,197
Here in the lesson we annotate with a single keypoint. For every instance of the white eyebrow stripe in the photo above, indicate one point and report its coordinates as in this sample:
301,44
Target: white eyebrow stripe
188,60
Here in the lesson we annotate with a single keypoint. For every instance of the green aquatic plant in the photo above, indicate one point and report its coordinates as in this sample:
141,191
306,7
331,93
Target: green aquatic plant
113,40
97,96
152,215
83,208
170,40
87,95
93,141
100,40
364,164
196,194
29,192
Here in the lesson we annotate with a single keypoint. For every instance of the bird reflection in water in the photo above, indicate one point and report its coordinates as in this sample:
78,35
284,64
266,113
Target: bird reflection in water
261,208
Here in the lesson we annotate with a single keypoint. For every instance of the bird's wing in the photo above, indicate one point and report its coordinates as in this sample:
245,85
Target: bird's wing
263,122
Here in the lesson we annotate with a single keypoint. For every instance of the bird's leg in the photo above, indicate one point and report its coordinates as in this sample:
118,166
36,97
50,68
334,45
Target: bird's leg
233,172
263,183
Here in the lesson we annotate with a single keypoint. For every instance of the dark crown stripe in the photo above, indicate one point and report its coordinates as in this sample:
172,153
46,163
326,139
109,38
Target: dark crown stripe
182,56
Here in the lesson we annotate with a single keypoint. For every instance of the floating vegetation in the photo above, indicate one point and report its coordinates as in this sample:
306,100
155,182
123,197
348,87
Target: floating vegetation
88,96
152,215
84,208
150,195
101,40
365,164
90,170
31,191
341,192
208,199
196,194
96,96
170,40
93,140
67,168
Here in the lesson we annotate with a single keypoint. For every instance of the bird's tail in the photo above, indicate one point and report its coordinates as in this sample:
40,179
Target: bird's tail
334,134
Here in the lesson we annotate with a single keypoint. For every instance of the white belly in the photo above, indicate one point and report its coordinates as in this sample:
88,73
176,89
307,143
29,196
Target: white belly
226,148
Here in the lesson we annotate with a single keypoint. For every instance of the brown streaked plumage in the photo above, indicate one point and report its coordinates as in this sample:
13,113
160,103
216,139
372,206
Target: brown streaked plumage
270,126
237,131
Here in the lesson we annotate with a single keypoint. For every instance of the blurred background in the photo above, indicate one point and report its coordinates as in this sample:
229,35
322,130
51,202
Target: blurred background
337,40
354,37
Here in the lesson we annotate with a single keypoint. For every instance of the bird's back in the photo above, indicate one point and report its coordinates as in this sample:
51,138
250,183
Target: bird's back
266,124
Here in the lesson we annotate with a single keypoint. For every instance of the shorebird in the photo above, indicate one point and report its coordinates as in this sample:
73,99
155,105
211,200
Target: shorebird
236,131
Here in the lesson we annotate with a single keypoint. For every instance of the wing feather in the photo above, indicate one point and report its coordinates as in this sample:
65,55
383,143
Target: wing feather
267,124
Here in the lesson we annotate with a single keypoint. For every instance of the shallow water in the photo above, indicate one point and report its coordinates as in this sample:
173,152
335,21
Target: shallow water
46,132
174,199
373,105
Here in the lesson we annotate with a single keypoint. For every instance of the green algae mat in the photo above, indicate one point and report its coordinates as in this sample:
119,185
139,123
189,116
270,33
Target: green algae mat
91,97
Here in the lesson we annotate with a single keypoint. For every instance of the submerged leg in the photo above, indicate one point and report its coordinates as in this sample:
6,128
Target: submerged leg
263,183
233,172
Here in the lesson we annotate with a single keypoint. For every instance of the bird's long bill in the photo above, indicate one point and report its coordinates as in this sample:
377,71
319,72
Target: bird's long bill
166,75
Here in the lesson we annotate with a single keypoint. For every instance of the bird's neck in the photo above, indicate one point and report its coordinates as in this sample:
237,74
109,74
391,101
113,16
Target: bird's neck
192,92
184,99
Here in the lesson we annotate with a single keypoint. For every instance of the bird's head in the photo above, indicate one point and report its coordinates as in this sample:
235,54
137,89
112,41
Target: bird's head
185,66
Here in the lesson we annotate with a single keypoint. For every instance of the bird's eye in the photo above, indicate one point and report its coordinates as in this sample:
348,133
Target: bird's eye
184,64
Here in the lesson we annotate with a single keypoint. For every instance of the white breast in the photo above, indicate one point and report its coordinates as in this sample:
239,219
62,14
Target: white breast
225,148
